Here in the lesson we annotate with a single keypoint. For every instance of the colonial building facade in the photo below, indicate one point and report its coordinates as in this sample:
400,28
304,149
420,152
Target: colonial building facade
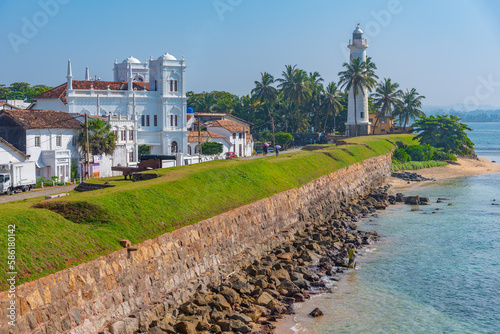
145,104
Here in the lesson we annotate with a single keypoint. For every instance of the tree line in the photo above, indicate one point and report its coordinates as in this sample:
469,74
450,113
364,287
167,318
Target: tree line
21,91
299,101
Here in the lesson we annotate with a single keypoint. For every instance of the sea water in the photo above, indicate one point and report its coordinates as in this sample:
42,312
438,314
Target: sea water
433,271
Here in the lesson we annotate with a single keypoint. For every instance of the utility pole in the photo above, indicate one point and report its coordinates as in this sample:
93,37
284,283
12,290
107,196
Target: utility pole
87,154
199,139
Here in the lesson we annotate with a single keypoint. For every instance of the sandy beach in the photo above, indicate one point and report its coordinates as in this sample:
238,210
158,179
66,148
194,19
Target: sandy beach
462,167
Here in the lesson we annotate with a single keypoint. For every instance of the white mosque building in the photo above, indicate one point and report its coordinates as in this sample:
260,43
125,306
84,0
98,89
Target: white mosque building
145,104
360,116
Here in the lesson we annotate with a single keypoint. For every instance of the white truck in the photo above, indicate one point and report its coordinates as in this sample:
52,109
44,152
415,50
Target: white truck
17,176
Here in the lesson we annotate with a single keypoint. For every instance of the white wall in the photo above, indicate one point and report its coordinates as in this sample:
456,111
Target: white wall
7,155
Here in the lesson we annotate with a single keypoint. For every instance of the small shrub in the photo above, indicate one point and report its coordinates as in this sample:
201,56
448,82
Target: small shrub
416,152
401,155
400,144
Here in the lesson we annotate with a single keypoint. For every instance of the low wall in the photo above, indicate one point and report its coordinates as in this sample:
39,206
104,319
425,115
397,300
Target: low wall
168,269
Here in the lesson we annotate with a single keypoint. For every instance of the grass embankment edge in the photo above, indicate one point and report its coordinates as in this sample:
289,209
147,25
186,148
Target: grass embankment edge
47,241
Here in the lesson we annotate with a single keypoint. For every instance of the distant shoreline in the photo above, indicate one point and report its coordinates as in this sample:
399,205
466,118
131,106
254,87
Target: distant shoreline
461,168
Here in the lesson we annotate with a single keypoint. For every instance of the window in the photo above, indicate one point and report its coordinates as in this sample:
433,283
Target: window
123,135
155,120
171,120
175,117
241,135
362,114
147,120
173,85
58,140
174,147
73,141
131,157
37,141
234,135
143,122
383,120
189,150
116,134
130,134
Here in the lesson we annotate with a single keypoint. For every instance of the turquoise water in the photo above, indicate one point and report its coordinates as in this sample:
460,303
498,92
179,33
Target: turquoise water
430,273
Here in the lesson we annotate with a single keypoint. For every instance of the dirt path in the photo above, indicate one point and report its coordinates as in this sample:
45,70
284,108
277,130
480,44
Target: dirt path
35,193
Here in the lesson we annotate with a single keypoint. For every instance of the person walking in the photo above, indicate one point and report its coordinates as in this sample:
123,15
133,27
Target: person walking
277,150
265,150
352,256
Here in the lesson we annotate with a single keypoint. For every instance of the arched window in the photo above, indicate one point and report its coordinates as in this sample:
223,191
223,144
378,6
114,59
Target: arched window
174,147
189,150
197,149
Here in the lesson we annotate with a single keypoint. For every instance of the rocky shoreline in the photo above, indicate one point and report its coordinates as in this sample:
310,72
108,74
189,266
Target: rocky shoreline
253,298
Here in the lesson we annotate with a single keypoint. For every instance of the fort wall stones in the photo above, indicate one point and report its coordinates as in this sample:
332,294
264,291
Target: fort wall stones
165,271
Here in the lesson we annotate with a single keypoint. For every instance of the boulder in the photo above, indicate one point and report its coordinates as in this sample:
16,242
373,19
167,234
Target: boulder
288,288
185,327
316,313
281,274
230,295
239,326
412,200
242,317
264,299
219,303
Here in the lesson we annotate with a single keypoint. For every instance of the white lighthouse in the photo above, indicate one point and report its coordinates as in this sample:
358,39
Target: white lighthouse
358,47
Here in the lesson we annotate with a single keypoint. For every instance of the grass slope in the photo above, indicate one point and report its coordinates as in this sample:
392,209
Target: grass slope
47,242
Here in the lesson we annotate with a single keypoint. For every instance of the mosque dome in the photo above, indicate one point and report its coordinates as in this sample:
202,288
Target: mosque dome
132,60
167,56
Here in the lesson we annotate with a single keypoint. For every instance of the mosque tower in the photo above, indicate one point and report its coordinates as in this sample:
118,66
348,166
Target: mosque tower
358,47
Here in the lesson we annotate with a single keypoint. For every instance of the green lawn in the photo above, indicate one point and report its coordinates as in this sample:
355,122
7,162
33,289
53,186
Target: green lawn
90,224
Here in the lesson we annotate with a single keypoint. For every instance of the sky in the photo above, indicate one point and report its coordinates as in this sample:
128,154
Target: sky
448,49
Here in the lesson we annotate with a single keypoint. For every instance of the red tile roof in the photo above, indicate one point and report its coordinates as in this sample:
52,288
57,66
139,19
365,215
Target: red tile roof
59,92
9,145
229,125
195,137
43,119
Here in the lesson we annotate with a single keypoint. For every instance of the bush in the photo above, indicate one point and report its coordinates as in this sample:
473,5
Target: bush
400,144
414,165
211,148
416,152
441,155
401,155
283,138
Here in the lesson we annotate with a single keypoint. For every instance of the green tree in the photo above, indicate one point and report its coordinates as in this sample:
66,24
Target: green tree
358,75
330,102
35,91
211,148
267,94
444,132
410,107
144,149
313,106
294,87
386,98
101,139
283,138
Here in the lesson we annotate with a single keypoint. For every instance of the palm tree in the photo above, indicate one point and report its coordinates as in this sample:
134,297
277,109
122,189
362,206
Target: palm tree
411,107
330,102
387,96
294,87
101,139
206,104
316,89
358,75
266,94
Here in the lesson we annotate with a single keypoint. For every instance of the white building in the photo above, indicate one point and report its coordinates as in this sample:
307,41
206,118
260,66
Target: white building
9,153
360,116
237,134
146,104
47,137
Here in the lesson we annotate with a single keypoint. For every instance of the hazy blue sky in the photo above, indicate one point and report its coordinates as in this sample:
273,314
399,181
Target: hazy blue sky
447,49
